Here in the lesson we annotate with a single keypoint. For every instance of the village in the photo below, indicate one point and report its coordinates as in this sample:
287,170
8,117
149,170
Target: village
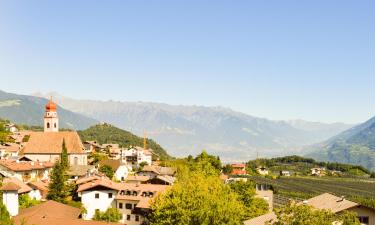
127,180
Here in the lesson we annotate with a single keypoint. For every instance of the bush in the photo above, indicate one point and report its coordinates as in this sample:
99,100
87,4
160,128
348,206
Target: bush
111,215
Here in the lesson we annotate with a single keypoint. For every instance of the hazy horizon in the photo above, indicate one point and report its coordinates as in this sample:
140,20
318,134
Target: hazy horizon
281,61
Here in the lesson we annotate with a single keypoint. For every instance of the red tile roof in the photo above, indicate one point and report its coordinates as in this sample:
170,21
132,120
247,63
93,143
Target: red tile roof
14,165
51,143
23,187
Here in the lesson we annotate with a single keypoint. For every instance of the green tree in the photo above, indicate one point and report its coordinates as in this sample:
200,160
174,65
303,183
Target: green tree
296,214
4,216
246,192
197,199
227,169
111,215
58,189
26,202
107,170
64,156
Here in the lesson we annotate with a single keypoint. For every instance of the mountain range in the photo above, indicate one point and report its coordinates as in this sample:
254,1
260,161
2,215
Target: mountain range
355,146
184,130
24,109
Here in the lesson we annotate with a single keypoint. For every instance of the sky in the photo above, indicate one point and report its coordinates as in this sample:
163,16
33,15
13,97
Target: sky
312,60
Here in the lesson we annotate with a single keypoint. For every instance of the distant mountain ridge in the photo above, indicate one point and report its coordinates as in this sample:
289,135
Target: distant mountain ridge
24,109
184,130
354,146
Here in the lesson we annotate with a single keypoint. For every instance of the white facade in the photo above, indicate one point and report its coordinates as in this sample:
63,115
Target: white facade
26,176
122,173
10,200
100,200
51,122
35,194
136,156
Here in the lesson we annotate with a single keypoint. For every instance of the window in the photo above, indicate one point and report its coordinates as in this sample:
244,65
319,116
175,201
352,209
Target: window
120,205
75,161
364,219
48,125
135,205
128,206
55,125
97,195
110,195
136,218
135,193
127,217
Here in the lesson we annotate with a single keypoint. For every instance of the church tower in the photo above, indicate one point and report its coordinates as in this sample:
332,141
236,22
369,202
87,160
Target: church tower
51,121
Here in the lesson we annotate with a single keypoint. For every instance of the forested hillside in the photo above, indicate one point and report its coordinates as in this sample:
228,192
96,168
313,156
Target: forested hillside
106,133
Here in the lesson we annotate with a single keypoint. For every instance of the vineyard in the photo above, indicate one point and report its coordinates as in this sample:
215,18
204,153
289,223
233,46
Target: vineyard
359,190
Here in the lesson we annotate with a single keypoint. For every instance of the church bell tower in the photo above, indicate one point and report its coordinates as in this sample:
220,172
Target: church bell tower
51,121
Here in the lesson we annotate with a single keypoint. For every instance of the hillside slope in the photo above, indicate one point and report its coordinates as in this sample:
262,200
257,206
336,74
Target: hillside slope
185,130
23,109
355,146
105,133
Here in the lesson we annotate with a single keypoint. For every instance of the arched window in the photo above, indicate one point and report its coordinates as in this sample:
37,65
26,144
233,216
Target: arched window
48,125
75,161
54,125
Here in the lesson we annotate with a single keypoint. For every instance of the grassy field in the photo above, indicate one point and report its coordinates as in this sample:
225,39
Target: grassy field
359,190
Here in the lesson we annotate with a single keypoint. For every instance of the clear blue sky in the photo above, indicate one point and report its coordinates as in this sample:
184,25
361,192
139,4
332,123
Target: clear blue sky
313,60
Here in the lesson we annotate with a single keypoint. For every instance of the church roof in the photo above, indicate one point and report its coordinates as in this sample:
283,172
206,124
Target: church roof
51,143
51,106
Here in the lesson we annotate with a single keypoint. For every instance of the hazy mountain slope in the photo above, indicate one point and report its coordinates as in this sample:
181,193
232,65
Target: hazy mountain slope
105,133
355,146
184,130
23,109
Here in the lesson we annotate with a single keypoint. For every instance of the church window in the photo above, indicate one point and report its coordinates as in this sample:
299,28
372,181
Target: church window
48,125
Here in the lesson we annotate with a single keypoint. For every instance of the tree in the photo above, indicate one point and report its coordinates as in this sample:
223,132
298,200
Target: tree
58,190
227,169
4,215
200,200
298,214
111,215
64,156
107,170
246,192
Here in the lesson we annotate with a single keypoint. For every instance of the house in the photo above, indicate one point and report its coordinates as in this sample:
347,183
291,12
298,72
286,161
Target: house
55,213
154,171
137,179
162,180
285,173
262,170
318,171
90,178
11,127
77,171
239,169
132,200
326,201
119,167
47,145
337,205
92,146
25,171
9,150
134,156
39,190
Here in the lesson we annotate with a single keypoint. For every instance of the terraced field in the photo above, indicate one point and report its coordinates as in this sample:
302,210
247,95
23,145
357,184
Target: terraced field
360,190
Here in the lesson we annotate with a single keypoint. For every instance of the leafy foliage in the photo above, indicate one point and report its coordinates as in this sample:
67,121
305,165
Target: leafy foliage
105,133
107,170
58,188
4,215
227,169
26,202
246,192
306,215
111,215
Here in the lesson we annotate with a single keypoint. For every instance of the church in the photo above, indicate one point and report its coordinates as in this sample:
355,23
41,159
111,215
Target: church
47,145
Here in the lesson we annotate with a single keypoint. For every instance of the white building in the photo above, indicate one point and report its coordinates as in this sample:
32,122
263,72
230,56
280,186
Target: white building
132,200
47,145
25,171
137,155
10,197
118,166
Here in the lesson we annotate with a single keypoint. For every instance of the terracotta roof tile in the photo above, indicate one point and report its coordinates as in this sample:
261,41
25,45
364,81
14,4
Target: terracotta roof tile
10,186
51,143
14,165
23,187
